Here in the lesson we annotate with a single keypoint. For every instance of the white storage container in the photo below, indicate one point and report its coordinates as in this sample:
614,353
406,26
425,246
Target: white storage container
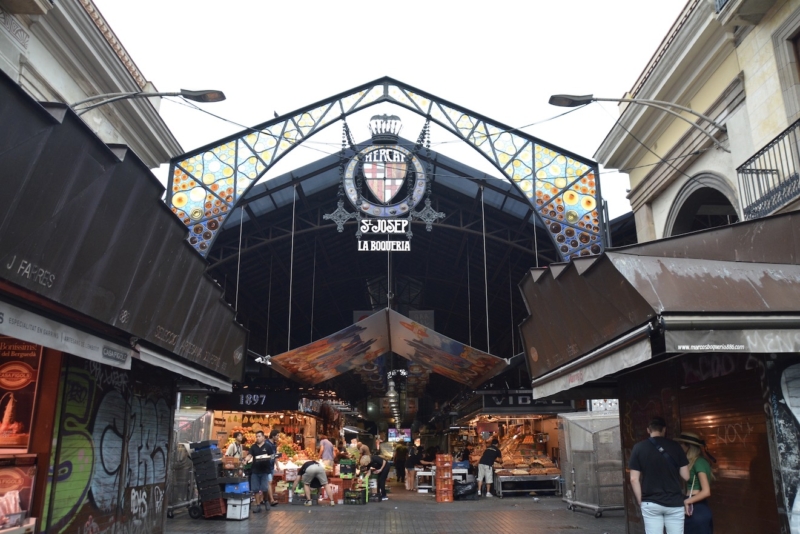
239,509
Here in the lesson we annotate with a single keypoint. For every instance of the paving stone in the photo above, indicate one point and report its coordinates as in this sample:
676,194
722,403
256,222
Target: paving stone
413,513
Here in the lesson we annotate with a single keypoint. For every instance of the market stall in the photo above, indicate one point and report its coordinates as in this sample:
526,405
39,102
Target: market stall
528,435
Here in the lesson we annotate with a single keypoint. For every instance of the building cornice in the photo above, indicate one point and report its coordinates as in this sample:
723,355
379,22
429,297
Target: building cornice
692,142
74,39
111,38
698,50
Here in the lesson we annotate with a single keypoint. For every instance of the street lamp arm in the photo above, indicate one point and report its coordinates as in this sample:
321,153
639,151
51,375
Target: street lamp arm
652,103
197,96
660,104
571,101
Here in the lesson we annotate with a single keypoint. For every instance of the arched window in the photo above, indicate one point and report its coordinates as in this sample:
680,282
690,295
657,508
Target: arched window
705,201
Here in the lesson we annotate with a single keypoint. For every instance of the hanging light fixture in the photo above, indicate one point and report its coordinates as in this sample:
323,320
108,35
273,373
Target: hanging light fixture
391,393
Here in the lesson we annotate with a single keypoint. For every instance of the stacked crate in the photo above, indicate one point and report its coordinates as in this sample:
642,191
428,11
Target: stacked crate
444,478
206,458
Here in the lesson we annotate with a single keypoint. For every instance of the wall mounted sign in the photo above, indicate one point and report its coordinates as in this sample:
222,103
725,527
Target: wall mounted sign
385,182
19,373
34,328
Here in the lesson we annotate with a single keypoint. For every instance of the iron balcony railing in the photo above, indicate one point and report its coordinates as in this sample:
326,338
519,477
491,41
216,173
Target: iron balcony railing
770,180
719,4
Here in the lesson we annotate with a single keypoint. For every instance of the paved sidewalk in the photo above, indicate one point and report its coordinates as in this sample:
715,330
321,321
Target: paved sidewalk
413,513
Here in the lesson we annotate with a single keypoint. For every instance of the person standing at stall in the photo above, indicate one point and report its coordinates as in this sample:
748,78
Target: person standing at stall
412,461
659,468
235,449
485,470
379,467
399,459
326,451
698,518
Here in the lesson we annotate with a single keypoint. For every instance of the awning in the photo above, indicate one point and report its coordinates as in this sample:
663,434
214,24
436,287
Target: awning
169,363
378,334
623,353
732,333
33,328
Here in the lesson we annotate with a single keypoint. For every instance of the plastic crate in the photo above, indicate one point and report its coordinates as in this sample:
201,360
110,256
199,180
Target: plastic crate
240,487
444,497
214,508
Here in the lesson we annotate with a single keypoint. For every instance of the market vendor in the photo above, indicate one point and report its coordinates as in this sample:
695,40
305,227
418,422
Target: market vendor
313,474
235,449
380,468
489,457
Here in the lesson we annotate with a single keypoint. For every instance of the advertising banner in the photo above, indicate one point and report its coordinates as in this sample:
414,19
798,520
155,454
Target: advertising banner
19,372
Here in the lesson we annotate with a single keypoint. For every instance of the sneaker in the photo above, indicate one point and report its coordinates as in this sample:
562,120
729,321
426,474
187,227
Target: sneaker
257,510
308,503
333,503
489,494
385,499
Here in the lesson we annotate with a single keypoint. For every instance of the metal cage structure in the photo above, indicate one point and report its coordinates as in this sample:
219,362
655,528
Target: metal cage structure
590,451
206,185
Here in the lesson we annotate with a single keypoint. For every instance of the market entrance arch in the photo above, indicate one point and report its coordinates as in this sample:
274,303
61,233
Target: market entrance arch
207,184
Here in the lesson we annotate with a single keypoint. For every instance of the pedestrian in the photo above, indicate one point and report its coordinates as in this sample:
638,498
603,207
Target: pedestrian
485,470
412,461
659,468
262,454
380,467
235,449
326,451
310,472
698,518
399,459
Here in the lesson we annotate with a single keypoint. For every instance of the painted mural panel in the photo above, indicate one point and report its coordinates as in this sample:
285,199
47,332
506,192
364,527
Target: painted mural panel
442,355
108,473
338,353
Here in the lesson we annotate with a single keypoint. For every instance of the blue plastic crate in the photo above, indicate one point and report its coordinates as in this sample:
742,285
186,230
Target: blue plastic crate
241,487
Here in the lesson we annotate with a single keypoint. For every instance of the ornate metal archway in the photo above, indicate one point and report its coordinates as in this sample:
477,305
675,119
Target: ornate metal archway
206,184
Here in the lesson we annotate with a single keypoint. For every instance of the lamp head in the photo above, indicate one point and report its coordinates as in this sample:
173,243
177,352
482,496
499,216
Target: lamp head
209,95
571,101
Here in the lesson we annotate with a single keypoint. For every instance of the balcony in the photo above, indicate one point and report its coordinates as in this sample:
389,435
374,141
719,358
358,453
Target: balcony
770,179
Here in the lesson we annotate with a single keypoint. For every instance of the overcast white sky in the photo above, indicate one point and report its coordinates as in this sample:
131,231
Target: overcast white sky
502,59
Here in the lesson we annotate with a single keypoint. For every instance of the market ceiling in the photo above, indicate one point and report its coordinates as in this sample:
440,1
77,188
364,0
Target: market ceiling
333,283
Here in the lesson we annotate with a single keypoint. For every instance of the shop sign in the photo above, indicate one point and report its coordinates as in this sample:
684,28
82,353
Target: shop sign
242,400
745,340
385,182
522,402
33,328
19,369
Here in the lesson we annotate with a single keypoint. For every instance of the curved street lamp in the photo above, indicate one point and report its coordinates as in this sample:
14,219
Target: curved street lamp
572,101
209,95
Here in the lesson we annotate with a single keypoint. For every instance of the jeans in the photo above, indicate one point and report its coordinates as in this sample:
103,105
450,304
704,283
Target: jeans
656,517
260,481
700,522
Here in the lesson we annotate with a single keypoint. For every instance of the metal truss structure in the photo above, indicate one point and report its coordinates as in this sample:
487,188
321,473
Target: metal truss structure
563,189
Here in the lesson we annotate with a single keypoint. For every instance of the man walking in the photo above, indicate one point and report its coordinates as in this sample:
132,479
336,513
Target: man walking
326,451
657,466
485,472
262,453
